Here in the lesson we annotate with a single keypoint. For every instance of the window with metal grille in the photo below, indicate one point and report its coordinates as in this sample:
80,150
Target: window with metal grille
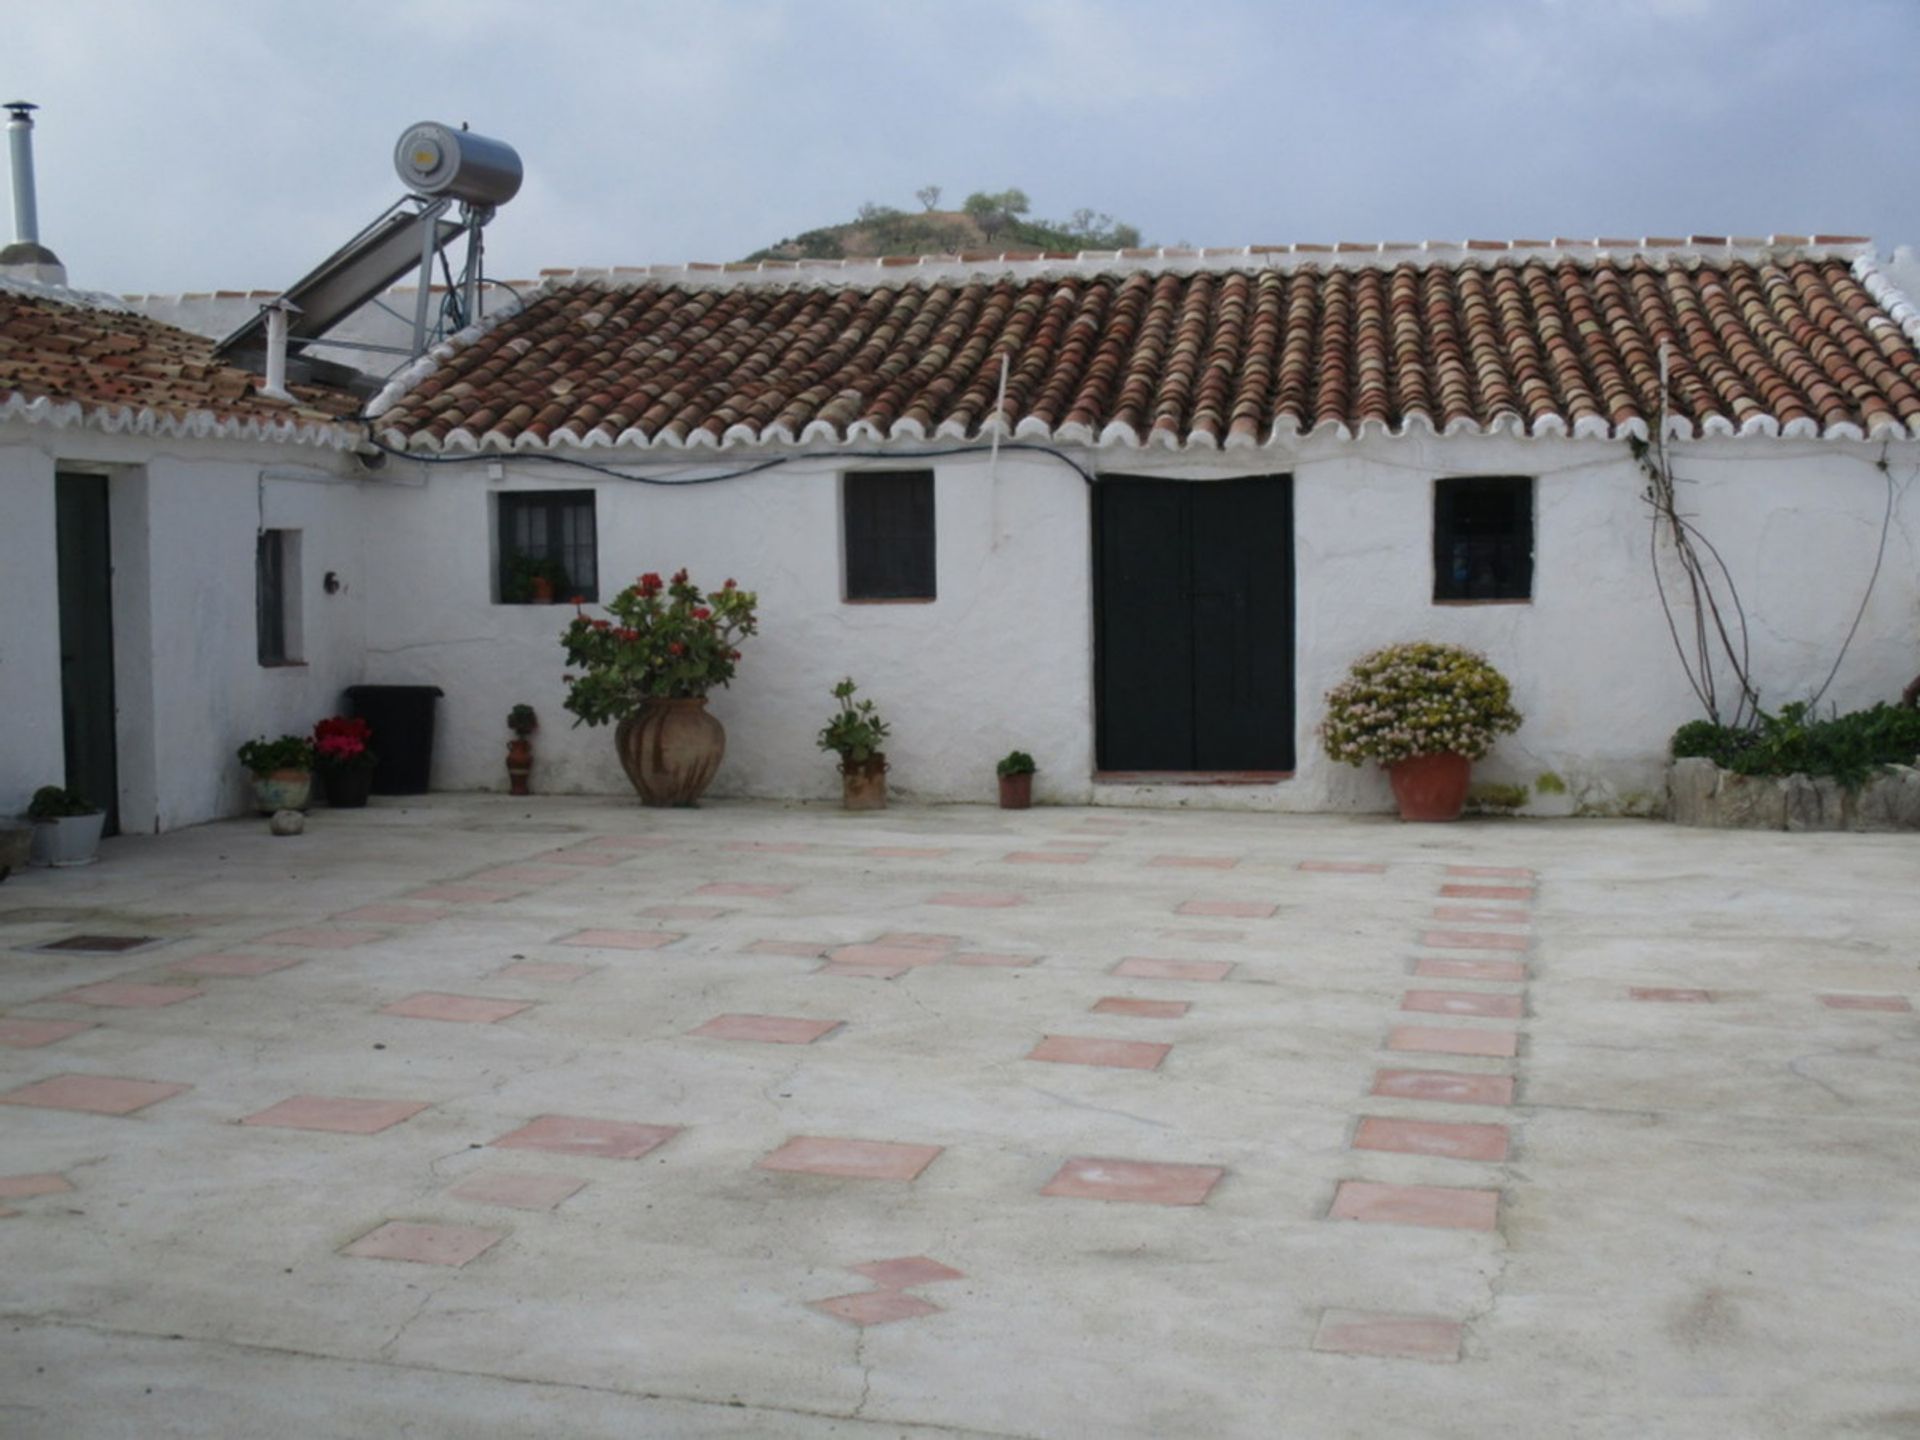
1483,538
548,547
888,516
276,573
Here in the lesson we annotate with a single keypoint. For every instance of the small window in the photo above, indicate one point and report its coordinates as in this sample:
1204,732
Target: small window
1483,538
548,549
276,596
889,535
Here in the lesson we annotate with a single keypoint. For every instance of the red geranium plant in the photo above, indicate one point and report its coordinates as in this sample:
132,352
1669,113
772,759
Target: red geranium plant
340,742
662,639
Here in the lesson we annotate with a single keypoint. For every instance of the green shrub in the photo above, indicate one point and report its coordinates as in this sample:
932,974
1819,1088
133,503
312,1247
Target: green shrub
1017,762
1845,747
289,752
50,802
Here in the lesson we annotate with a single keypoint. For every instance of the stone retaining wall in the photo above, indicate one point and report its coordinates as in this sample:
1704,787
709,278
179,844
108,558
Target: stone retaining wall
1701,793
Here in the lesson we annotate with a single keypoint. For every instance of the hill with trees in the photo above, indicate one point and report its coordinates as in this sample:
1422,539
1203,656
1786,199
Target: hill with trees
986,220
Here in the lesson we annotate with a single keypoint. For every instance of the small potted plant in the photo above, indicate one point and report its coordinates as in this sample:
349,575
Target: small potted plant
282,772
1016,780
66,827
534,580
345,763
16,846
522,722
1426,712
855,733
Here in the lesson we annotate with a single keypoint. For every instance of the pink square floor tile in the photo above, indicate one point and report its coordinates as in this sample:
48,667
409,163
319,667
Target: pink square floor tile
1112,1054
463,894
767,1029
395,914
1230,909
907,1272
19,1034
908,852
425,1244
519,1192
1483,915
546,972
875,1307
805,949
235,964
864,972
583,859
465,1009
1141,967
523,875
1432,1040
1461,1002
1002,962
685,912
920,939
1441,1207
25,1187
1669,996
1193,862
1046,857
768,847
1491,872
125,994
1444,1086
1890,1003
977,899
1472,940
340,1115
1487,892
1431,1137
582,1135
1395,1337
95,1094
1433,968
315,937
905,956
851,1159
1145,1009
620,939
1138,1182
626,842
745,889
1344,867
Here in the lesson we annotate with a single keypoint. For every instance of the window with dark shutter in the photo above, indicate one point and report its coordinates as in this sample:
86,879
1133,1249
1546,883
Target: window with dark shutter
889,534
548,547
1483,538
270,596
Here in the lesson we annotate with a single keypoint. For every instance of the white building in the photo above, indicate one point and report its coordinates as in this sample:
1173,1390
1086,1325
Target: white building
1419,444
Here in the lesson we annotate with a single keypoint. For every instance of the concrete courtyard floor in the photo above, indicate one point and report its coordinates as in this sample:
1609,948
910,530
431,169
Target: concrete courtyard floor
484,1118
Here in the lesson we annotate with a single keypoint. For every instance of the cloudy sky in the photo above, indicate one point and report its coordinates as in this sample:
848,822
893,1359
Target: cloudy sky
201,144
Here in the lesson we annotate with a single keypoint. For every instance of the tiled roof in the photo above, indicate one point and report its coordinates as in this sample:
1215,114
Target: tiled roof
83,361
1796,336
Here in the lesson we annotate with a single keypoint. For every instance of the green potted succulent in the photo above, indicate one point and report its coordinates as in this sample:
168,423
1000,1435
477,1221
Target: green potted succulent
522,721
855,732
1426,712
282,772
344,759
66,827
1016,780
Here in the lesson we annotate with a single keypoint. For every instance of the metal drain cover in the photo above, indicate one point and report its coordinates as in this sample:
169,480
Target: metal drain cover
99,944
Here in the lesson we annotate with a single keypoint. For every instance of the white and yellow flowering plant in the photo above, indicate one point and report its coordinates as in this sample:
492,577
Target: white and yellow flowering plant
1417,699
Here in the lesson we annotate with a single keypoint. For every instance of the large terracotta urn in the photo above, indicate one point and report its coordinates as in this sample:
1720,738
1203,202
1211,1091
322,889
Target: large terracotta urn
671,749
1430,787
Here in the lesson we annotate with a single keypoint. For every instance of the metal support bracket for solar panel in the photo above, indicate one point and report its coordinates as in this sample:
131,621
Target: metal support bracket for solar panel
442,167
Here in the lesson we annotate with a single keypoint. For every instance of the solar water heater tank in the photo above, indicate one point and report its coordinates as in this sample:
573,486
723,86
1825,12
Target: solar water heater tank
438,160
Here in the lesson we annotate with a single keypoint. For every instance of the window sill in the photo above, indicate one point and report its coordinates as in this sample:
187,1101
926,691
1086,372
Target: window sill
1523,600
283,664
892,600
1191,777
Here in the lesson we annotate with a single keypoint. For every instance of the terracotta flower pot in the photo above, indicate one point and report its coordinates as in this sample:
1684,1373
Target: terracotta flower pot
863,783
1016,791
671,750
520,764
1430,787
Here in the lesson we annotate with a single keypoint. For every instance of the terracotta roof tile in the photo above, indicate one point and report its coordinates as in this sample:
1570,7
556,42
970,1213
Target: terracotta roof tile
1189,348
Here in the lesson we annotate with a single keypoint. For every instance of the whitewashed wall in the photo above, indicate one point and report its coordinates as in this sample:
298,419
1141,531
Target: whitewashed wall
188,685
1004,657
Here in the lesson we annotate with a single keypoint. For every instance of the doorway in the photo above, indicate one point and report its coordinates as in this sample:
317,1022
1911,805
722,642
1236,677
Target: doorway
86,641
1193,625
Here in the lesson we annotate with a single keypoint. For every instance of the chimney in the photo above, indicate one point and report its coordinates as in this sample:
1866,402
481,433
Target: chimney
26,258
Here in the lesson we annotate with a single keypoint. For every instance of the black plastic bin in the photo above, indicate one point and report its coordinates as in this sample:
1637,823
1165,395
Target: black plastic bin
401,717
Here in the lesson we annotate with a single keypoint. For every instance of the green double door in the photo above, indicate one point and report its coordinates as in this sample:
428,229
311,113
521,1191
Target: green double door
86,640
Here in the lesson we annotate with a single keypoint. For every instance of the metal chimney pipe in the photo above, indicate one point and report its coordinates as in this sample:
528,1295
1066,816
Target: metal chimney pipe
278,310
26,217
